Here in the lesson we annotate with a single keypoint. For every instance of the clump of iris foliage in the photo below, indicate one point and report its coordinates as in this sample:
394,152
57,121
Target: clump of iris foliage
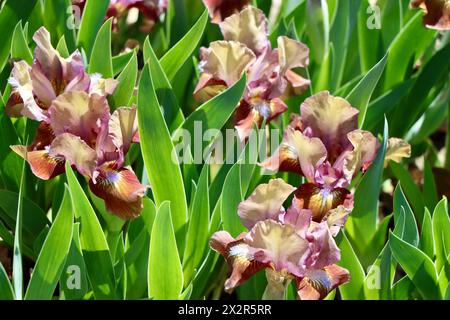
350,205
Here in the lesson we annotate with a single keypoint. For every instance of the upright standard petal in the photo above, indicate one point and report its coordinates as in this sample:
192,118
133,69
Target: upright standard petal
76,152
266,202
317,284
279,245
248,27
336,218
331,119
239,256
123,127
226,61
397,149
120,189
79,114
21,101
220,9
365,148
311,152
292,54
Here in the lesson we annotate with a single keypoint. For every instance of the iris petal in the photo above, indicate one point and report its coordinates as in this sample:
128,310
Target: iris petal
266,202
317,284
121,191
319,200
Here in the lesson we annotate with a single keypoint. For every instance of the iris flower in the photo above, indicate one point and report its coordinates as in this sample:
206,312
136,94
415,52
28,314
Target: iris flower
76,126
246,49
327,148
286,243
151,9
437,13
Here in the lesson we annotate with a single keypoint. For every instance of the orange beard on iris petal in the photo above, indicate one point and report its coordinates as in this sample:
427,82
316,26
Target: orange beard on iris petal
319,200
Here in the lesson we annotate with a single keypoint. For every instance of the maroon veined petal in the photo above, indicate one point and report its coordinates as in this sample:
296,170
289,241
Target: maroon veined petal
220,9
239,256
319,200
208,87
14,105
42,87
317,284
246,118
121,191
437,13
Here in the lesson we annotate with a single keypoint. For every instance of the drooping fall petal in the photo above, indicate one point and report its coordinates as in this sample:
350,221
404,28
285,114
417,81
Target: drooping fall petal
248,27
239,256
317,284
43,165
331,119
319,200
266,202
120,189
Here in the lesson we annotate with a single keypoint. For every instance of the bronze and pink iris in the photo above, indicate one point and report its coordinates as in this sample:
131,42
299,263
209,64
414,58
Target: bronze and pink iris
437,13
246,49
325,146
288,244
76,125
151,9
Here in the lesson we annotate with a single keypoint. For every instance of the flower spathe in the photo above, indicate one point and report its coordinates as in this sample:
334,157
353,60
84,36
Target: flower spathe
247,49
287,243
76,126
